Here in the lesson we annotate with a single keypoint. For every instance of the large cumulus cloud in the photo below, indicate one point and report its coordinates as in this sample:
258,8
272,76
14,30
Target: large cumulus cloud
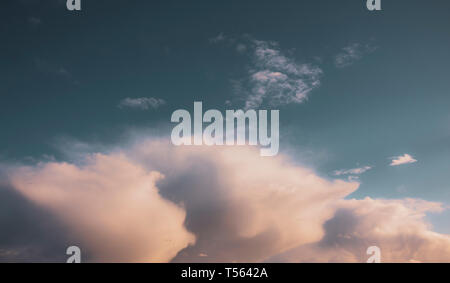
241,206
222,204
111,205
397,227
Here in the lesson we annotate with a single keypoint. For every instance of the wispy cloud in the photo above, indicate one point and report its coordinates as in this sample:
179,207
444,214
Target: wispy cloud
219,38
404,159
142,103
354,171
352,53
278,79
241,48
53,69
273,78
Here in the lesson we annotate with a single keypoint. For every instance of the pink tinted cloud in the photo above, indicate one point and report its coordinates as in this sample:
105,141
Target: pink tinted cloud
240,206
111,205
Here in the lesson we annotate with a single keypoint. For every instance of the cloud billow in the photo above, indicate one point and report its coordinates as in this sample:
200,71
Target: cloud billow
153,202
111,206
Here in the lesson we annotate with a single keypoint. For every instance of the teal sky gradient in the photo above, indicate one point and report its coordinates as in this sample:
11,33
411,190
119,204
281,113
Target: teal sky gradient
64,73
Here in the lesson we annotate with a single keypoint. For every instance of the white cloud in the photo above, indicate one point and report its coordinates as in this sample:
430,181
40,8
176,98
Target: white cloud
278,79
404,159
355,171
143,103
273,77
352,53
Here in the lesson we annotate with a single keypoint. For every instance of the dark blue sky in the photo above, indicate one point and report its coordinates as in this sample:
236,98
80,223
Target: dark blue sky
63,75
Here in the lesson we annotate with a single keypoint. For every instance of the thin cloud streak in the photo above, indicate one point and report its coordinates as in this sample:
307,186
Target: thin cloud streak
355,171
142,103
352,53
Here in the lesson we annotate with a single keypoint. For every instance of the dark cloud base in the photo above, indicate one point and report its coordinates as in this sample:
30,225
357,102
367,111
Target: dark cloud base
29,233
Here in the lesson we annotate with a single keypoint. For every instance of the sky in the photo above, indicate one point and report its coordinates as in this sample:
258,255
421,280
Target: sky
364,122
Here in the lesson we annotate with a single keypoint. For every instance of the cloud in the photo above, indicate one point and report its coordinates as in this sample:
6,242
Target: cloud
143,103
29,232
352,53
355,171
111,205
273,77
404,159
397,227
241,48
240,207
278,79
219,38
